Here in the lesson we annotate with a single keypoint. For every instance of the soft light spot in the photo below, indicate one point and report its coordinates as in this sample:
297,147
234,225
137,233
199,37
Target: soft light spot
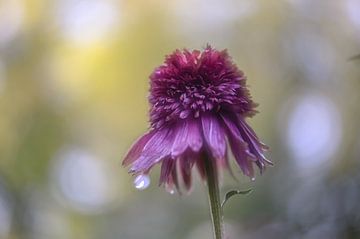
12,14
314,131
83,180
211,18
212,13
315,55
44,218
5,216
353,10
87,21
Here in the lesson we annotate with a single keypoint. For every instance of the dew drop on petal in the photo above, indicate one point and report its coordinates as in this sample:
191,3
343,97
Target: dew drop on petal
141,182
170,190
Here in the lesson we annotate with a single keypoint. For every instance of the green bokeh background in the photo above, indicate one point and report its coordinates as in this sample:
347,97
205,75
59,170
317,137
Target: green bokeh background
73,98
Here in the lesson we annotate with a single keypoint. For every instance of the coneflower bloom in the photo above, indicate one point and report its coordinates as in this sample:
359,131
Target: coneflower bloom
199,102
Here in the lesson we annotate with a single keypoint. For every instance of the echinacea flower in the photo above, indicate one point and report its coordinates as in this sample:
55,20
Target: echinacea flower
199,102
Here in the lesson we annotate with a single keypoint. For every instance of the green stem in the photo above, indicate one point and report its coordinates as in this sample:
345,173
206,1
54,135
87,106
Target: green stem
214,199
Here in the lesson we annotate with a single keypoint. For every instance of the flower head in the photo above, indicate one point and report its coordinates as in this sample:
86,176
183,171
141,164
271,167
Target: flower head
199,102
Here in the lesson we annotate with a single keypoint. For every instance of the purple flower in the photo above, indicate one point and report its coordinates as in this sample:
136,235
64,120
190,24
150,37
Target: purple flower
199,102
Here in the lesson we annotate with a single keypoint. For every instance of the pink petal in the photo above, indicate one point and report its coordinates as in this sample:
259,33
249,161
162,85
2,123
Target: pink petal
167,166
186,165
214,136
155,150
194,140
256,147
239,148
187,134
137,148
180,143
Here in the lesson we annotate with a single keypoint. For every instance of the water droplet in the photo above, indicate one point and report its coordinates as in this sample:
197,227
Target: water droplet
253,179
170,190
141,182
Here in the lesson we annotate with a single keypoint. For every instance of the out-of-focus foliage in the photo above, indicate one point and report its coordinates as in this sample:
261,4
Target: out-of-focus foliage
73,88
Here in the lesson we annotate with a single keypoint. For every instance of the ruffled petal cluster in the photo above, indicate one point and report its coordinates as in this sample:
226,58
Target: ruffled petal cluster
199,102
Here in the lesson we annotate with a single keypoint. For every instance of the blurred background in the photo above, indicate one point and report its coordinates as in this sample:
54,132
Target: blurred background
73,98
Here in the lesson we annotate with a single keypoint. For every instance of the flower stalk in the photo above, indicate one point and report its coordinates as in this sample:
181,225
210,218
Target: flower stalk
214,199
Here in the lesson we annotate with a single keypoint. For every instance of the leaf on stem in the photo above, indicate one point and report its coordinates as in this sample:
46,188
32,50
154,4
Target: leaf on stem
231,193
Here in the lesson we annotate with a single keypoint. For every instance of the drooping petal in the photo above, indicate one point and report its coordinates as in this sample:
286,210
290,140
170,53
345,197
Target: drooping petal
186,163
256,147
155,150
214,136
137,148
201,167
239,147
187,135
167,166
226,164
173,178
252,133
180,143
241,157
185,169
195,140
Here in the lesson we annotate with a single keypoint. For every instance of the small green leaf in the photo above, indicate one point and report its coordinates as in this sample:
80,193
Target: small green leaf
231,193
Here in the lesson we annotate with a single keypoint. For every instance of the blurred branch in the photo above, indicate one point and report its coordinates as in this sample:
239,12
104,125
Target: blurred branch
356,57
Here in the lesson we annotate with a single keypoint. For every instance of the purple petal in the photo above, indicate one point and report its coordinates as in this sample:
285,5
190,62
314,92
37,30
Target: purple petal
155,150
187,134
137,148
214,136
241,157
194,137
239,148
252,133
201,167
173,180
167,166
186,165
226,164
180,143
256,147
